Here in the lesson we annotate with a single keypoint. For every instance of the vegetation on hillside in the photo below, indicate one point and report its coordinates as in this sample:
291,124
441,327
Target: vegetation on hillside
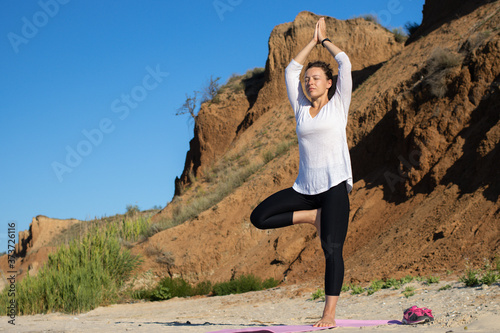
212,91
80,277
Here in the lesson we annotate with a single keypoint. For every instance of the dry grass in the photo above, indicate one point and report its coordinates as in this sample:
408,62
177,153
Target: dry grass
439,66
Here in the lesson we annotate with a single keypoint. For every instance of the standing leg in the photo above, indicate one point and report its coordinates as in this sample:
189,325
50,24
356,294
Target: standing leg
334,223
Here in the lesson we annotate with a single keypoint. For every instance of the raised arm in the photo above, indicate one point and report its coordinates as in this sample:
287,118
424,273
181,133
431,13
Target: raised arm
321,33
343,89
344,82
302,55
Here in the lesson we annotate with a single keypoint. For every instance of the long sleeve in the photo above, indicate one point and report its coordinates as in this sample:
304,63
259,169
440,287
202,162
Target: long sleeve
324,154
294,87
343,90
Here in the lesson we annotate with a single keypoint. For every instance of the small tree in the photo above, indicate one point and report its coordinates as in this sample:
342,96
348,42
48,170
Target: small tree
211,90
189,106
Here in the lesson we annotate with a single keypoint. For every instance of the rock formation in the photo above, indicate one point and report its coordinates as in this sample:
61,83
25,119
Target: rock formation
36,243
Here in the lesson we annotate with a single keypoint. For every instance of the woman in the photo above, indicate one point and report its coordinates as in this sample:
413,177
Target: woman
319,195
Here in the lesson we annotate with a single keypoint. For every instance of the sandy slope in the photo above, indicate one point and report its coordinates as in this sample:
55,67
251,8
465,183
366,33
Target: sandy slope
456,309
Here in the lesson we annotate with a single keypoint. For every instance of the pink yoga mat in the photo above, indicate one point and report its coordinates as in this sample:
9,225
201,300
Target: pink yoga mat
308,328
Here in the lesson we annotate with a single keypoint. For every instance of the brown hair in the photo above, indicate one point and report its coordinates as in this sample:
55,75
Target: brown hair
328,72
324,66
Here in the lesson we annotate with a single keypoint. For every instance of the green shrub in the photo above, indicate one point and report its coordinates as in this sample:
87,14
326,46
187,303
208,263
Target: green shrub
432,279
409,291
77,278
161,293
168,288
471,277
176,287
375,286
270,283
357,289
390,283
407,279
134,229
203,288
396,284
144,293
488,275
445,287
243,284
318,294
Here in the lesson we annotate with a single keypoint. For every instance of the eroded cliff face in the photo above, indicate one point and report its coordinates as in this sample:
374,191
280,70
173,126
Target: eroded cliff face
423,133
35,244
436,13
443,123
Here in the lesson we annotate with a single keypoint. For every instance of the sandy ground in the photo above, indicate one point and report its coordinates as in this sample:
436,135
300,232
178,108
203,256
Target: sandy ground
458,309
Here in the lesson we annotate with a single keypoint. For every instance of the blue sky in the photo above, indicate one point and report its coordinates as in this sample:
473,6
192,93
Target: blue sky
90,90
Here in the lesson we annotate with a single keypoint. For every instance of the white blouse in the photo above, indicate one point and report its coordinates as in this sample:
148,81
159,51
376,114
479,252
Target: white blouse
324,155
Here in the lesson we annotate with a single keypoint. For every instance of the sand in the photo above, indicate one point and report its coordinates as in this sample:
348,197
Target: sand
457,309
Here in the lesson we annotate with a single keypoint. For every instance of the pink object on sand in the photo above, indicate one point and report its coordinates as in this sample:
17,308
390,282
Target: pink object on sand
308,328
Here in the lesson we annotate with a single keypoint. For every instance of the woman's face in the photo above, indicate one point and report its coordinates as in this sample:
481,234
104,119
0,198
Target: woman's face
316,82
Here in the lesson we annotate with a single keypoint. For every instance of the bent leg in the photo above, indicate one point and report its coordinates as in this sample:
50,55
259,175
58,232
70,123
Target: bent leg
282,209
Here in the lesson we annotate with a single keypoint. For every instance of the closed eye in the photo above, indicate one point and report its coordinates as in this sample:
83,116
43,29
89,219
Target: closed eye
316,77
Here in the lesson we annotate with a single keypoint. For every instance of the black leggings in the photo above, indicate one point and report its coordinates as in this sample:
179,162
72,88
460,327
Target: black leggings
277,211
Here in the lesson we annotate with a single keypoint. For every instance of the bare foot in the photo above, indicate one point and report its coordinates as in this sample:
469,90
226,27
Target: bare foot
326,321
